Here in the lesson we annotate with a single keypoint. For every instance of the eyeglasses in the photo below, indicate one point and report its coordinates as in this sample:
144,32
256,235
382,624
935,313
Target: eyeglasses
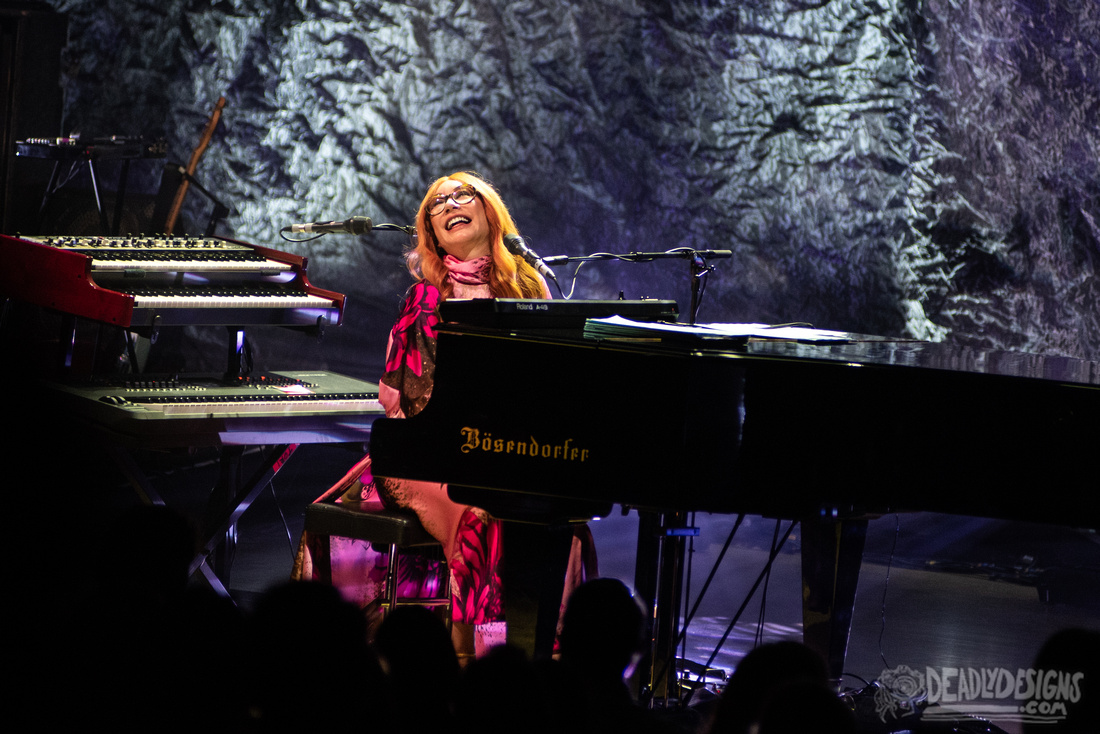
460,196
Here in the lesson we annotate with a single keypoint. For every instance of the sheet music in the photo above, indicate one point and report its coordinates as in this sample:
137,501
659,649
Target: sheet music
616,327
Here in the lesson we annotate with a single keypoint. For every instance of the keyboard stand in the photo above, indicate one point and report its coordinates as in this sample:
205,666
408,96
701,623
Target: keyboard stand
229,499
343,412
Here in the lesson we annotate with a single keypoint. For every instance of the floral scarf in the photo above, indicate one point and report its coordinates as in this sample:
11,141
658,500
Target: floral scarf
410,360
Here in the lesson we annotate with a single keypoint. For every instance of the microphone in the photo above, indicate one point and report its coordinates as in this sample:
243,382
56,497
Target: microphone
355,225
517,246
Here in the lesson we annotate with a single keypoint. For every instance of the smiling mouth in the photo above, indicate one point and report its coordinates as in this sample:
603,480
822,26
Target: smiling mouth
453,222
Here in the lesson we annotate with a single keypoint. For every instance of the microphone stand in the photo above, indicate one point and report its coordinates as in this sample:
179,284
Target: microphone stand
221,211
697,264
406,228
662,535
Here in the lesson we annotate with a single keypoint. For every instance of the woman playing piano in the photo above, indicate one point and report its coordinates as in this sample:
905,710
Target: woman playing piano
460,253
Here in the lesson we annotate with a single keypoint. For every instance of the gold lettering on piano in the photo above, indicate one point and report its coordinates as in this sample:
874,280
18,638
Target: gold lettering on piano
475,440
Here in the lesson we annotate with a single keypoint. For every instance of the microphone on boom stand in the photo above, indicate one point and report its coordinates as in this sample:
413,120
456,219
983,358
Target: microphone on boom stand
354,225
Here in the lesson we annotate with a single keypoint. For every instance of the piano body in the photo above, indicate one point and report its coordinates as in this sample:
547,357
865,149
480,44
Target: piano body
827,434
139,284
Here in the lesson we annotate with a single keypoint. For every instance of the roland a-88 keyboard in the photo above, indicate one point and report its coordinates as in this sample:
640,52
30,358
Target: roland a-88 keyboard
152,281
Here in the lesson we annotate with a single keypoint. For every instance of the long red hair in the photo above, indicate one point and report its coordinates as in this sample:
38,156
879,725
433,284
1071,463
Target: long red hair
509,277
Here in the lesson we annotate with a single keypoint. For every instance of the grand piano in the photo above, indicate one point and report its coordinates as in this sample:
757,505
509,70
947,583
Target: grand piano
825,433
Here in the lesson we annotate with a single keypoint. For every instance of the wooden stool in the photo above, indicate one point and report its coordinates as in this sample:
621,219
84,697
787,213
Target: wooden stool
398,529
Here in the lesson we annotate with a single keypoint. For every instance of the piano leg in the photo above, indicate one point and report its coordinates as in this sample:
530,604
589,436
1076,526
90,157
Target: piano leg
534,565
646,574
658,581
537,533
831,555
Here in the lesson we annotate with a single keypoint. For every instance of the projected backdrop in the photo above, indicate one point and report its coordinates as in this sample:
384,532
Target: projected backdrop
922,168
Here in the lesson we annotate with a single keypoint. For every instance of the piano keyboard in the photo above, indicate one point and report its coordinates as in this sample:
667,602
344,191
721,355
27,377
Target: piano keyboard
261,404
255,296
166,254
153,281
195,410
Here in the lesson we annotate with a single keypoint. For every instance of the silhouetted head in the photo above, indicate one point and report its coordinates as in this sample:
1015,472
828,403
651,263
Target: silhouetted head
758,676
602,629
308,626
501,692
413,644
1073,657
804,706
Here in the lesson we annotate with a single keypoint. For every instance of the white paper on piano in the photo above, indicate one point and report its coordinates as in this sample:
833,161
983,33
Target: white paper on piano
618,327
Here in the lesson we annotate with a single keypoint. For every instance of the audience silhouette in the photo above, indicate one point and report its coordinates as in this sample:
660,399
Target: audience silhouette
503,692
310,667
1073,653
418,656
142,650
601,639
780,687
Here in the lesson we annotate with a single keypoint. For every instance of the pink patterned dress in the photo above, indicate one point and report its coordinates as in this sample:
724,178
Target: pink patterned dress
405,388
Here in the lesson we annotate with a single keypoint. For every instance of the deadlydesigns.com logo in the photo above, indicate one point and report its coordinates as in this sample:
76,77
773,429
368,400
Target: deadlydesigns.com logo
995,694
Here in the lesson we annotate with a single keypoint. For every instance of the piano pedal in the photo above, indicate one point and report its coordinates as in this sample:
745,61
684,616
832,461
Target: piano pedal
694,684
690,667
687,693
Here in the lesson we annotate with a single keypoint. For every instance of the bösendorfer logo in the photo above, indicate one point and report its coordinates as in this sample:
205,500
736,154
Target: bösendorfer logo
474,439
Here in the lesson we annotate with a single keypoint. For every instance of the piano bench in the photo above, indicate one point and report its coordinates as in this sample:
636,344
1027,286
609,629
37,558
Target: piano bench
398,529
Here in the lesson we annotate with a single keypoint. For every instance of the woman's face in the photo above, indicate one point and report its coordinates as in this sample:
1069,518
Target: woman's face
461,229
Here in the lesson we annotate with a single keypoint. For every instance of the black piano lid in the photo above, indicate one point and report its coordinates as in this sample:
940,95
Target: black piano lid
873,350
804,343
535,316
